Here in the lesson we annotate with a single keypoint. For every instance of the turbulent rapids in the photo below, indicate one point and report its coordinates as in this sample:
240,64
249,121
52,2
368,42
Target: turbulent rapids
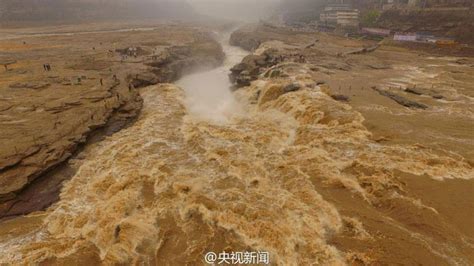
241,171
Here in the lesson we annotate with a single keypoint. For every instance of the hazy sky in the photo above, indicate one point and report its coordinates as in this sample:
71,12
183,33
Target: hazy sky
235,9
236,1
244,10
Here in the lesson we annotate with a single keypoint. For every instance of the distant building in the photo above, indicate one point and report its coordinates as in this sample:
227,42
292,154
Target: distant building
339,14
348,18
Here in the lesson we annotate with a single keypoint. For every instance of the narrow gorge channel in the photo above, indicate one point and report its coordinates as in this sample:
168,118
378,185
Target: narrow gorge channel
208,93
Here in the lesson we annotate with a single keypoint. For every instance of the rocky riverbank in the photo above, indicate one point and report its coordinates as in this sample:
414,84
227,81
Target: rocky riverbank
376,80
381,137
91,91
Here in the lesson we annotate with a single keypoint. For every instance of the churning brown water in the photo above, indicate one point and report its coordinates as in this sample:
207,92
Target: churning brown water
203,171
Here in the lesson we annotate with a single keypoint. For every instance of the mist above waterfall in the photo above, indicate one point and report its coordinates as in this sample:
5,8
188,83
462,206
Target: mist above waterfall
208,94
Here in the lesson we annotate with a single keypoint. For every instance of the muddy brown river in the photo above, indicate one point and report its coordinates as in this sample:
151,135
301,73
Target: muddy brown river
204,169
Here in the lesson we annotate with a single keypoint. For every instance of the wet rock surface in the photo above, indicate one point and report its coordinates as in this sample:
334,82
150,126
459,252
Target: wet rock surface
252,66
401,100
340,97
241,39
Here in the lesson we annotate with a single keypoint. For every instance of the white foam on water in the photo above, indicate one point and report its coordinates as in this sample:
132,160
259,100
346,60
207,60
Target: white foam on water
208,94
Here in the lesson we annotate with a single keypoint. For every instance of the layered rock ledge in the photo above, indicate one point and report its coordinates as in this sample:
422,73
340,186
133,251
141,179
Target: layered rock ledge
91,91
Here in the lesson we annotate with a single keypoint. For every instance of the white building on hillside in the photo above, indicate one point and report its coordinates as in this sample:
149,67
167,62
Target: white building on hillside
340,15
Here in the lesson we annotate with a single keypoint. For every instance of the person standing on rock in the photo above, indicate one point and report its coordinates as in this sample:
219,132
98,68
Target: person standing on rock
101,82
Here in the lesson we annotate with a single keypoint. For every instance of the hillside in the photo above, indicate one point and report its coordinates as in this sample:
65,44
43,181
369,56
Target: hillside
454,23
